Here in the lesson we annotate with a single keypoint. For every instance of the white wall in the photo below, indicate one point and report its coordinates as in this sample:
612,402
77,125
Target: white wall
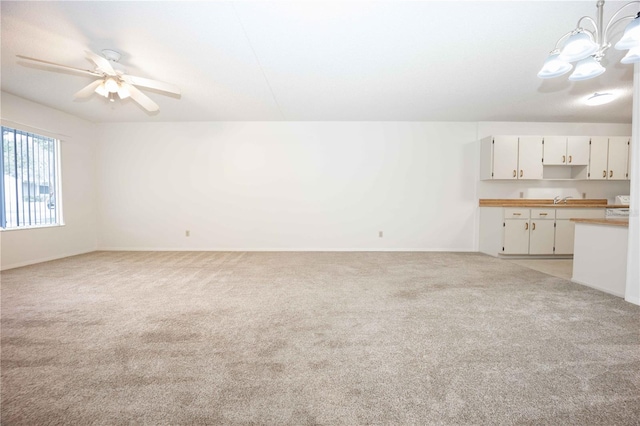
549,189
288,185
78,235
273,185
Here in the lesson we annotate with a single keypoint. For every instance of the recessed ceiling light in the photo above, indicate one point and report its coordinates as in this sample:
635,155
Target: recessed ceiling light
600,98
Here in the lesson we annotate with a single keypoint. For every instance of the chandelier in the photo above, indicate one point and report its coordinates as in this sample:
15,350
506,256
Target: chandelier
586,47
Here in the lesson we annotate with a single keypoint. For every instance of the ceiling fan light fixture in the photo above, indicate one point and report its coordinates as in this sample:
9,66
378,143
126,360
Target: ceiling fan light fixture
554,67
631,36
113,81
586,69
579,46
600,99
111,85
101,90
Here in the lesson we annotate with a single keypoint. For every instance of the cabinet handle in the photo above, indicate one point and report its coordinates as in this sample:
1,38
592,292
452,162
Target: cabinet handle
526,226
521,173
604,173
563,158
533,226
570,158
611,173
543,214
514,173
517,214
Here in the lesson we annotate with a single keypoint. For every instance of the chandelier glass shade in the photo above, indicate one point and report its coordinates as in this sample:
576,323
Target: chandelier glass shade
632,56
631,36
578,46
588,47
554,67
587,68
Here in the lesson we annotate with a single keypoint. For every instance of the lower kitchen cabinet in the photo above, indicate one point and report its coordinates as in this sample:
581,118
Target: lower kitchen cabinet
516,236
531,231
541,237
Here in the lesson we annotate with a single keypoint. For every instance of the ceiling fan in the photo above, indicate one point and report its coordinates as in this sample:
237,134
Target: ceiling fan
113,81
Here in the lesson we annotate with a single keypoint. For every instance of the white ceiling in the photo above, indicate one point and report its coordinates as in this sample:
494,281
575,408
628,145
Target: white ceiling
353,60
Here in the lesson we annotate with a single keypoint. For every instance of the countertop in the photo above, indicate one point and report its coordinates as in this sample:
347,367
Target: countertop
548,203
610,222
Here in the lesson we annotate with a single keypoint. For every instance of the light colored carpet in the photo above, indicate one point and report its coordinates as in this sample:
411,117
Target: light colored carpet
312,338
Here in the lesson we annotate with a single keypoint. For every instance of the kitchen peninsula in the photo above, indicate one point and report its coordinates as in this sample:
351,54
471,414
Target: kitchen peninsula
600,255
546,228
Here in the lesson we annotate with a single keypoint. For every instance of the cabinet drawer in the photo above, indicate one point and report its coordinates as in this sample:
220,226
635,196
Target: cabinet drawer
515,213
543,214
580,213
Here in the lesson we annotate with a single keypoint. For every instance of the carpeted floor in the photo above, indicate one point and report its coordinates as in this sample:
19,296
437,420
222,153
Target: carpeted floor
312,338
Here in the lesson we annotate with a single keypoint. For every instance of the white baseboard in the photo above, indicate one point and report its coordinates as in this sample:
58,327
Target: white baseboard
43,259
634,300
268,249
62,256
604,290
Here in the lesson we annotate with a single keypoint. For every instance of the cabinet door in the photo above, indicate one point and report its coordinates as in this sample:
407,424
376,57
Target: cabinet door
516,236
530,157
577,150
541,237
564,236
598,158
598,152
618,158
505,157
555,151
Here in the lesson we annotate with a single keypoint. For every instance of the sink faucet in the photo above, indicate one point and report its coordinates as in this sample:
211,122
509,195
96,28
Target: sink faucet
566,198
556,200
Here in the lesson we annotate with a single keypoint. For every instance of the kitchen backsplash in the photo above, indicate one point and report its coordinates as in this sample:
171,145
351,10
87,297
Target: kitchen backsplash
551,189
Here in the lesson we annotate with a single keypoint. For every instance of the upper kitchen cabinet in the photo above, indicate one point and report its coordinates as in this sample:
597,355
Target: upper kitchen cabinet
511,157
609,158
566,151
499,157
530,157
618,161
554,158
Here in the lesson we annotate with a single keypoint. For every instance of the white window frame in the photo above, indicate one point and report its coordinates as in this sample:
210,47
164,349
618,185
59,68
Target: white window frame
38,210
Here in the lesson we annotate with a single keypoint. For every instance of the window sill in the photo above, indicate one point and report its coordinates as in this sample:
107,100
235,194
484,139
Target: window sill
25,228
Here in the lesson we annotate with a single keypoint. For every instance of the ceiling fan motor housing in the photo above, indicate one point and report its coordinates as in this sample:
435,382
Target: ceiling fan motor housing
111,55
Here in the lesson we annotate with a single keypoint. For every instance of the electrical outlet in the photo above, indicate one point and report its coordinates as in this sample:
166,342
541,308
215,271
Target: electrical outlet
521,194
584,195
187,233
380,234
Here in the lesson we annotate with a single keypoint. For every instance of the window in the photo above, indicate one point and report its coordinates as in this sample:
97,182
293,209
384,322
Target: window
29,180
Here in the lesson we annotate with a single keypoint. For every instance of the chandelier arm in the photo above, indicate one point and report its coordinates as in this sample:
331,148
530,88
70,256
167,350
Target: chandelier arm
595,33
561,39
611,22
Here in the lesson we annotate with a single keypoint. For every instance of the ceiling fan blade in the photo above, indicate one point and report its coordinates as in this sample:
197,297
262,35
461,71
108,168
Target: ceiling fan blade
151,84
141,98
103,64
66,67
88,90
